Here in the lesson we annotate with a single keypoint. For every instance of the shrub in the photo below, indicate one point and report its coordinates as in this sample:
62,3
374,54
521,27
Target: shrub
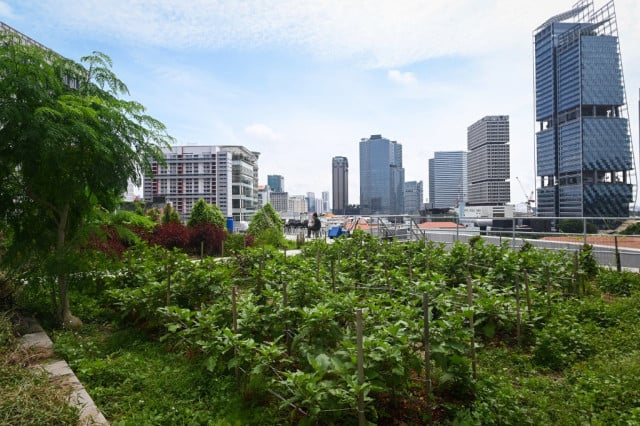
208,237
633,229
169,214
203,213
106,240
576,226
237,242
133,220
170,235
618,283
267,227
562,342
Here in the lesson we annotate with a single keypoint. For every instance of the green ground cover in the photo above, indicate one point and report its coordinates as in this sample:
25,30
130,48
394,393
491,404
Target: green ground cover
515,337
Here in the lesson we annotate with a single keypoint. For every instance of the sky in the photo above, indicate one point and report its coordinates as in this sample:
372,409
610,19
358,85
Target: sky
302,81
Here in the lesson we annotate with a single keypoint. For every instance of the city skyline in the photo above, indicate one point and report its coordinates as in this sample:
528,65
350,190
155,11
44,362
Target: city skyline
284,78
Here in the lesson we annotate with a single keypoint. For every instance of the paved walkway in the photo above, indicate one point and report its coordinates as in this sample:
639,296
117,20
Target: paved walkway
37,340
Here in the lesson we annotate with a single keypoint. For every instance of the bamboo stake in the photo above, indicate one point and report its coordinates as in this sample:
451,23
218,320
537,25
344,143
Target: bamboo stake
472,327
361,418
527,293
427,354
333,274
234,316
618,263
548,281
518,314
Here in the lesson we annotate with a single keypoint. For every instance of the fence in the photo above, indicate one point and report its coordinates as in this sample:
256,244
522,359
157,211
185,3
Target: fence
609,248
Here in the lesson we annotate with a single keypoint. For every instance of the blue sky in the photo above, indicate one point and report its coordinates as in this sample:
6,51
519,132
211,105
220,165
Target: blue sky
301,81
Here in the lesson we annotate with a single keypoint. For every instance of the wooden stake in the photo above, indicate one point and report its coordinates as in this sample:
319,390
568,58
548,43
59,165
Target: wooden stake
472,327
361,418
427,354
527,294
518,315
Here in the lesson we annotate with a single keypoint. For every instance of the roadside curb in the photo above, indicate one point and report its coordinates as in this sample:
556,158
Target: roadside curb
60,372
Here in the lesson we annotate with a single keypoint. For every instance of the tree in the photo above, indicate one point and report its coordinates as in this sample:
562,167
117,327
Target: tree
169,214
266,226
203,213
68,143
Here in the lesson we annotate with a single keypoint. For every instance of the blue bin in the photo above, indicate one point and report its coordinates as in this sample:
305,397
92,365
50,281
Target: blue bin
335,232
230,224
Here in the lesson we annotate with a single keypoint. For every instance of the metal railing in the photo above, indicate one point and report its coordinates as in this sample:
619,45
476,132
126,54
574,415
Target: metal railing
542,232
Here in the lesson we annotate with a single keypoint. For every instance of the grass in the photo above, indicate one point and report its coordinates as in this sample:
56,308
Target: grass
603,389
135,380
27,395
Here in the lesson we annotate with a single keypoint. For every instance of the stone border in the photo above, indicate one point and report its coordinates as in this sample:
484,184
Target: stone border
61,372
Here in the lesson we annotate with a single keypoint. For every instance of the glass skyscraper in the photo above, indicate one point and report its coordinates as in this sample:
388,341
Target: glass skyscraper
381,176
447,179
583,143
276,183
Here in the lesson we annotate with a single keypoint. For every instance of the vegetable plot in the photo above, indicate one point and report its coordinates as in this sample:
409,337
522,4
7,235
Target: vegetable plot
358,330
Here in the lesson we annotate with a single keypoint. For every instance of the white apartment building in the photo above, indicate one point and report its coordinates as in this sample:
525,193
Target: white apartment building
191,173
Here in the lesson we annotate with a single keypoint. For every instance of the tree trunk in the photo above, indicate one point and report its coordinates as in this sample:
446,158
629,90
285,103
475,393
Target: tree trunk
67,318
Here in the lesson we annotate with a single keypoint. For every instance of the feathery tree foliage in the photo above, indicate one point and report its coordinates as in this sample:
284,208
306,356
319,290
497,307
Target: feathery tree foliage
69,142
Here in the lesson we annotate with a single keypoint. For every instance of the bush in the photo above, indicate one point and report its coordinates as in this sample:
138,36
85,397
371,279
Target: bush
106,240
237,242
267,227
562,342
618,283
133,220
203,213
207,237
576,226
170,235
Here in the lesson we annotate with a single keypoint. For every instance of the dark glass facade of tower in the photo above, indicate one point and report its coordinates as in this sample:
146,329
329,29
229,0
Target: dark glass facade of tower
584,159
381,176
276,183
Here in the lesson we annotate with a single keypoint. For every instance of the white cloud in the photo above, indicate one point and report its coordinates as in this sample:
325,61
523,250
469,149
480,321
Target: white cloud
404,78
261,131
5,10
381,33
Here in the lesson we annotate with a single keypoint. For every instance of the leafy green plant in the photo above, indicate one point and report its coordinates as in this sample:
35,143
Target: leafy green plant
618,283
562,342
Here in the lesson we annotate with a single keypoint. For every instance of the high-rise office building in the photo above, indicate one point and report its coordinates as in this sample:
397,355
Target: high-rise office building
191,173
311,202
447,179
276,183
340,184
325,201
381,176
413,197
280,201
583,143
488,161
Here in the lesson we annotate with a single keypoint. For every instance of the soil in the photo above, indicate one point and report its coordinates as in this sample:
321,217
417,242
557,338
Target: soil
602,240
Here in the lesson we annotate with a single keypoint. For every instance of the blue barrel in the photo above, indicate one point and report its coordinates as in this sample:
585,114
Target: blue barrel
230,224
335,232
